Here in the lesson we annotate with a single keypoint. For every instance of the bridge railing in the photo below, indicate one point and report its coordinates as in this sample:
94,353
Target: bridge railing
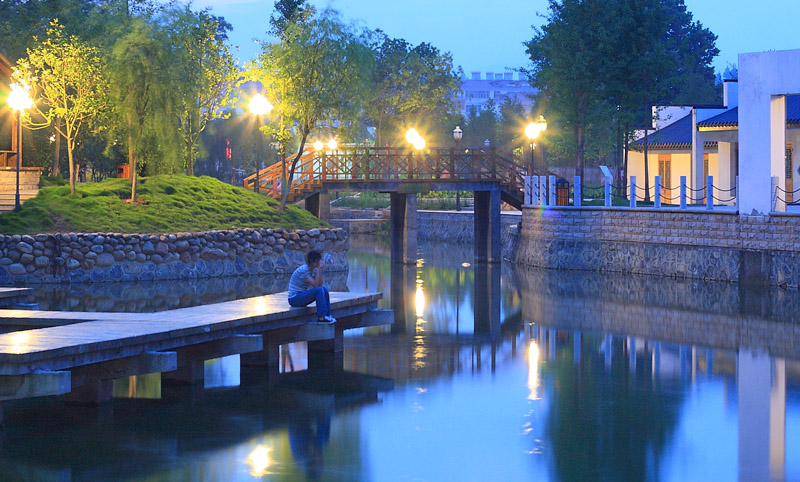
382,164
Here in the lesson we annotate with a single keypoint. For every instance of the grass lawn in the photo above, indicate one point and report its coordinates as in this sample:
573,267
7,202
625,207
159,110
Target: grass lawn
168,204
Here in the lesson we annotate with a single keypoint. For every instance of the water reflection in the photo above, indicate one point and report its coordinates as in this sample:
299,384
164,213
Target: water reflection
489,372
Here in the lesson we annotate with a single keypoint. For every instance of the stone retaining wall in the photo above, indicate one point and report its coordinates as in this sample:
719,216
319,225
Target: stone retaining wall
703,245
51,258
458,227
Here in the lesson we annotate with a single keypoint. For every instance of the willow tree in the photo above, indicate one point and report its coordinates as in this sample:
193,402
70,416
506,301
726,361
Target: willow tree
69,83
316,75
208,72
144,100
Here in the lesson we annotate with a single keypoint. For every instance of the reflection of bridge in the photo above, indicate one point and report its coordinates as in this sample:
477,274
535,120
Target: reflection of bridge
492,175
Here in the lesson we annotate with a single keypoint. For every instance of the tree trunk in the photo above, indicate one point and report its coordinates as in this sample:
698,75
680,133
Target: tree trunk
131,160
646,170
189,148
288,186
55,171
579,158
71,165
623,184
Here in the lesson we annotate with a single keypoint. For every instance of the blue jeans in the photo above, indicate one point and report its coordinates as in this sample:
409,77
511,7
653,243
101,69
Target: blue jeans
318,294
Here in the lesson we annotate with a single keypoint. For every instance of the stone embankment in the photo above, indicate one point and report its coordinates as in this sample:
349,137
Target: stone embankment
701,245
49,258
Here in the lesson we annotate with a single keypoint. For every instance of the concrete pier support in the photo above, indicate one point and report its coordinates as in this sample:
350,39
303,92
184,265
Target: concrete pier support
403,287
487,226
404,228
327,354
319,204
487,304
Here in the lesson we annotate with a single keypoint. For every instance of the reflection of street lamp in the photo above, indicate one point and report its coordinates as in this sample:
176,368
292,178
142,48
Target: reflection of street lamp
259,106
457,133
19,100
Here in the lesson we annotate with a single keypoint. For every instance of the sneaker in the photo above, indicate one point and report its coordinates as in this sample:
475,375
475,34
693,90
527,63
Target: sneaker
330,319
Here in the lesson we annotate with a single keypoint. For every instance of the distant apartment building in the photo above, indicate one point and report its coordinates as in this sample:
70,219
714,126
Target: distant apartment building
480,87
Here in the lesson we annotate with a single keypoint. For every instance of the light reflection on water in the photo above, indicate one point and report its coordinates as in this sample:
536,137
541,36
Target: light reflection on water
504,374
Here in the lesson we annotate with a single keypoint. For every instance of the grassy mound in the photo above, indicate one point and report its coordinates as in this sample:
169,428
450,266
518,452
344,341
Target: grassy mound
167,204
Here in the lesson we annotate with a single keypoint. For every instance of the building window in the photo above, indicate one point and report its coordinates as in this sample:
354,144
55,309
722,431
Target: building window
665,171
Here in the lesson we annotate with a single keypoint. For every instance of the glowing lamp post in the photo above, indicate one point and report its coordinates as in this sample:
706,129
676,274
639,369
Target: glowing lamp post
457,134
532,131
19,100
259,107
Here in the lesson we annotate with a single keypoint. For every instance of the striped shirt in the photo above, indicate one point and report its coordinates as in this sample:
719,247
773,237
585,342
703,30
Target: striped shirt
299,280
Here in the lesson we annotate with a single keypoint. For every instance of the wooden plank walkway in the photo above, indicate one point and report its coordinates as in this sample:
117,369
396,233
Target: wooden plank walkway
86,351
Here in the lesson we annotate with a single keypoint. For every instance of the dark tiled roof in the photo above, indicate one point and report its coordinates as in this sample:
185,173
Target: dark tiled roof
730,118
677,135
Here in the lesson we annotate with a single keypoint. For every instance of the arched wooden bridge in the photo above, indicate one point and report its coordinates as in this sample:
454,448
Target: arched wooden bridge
492,175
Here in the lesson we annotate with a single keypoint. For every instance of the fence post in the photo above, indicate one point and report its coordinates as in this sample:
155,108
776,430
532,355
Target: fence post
737,194
577,195
683,192
526,193
607,191
633,191
551,192
710,192
542,191
529,189
657,186
774,194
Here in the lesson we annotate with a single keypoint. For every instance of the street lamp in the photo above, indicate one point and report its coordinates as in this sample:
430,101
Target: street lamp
332,144
259,106
532,131
457,133
318,146
19,100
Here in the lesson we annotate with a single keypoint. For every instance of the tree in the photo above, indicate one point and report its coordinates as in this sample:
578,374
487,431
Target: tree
565,61
481,125
658,55
143,100
208,72
287,12
596,61
409,84
317,74
69,82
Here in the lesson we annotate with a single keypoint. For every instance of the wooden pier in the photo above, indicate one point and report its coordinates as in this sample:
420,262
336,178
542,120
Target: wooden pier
79,354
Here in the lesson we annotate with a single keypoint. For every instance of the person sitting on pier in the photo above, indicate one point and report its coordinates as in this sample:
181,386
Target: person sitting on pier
305,287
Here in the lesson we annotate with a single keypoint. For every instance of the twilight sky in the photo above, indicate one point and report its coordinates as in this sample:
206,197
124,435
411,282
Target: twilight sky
487,36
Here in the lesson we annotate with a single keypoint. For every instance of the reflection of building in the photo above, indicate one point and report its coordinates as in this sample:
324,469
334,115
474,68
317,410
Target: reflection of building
477,91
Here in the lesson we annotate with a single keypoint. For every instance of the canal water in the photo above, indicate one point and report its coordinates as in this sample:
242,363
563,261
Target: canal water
488,373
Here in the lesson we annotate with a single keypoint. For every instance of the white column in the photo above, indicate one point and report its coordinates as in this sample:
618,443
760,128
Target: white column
777,141
577,196
697,181
632,192
551,193
761,386
726,170
657,198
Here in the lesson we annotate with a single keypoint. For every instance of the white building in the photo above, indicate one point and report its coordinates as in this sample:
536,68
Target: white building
753,136
477,90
